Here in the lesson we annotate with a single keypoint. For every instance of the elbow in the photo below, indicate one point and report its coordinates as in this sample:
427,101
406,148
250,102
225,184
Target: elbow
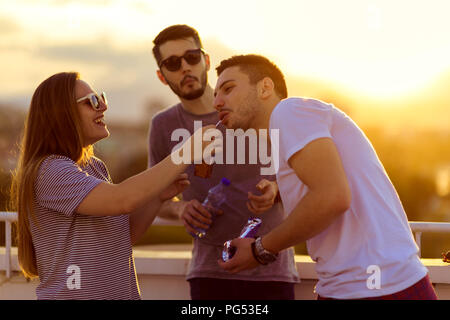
345,201
341,200
128,204
127,208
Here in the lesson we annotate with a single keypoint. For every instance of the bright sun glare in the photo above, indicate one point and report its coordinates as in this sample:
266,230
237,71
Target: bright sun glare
382,48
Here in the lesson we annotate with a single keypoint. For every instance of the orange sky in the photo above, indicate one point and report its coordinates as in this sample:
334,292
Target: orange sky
378,48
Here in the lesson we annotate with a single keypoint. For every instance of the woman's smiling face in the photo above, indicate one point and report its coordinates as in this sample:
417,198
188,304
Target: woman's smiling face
93,126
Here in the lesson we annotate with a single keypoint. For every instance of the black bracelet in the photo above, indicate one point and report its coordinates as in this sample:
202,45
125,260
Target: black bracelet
255,255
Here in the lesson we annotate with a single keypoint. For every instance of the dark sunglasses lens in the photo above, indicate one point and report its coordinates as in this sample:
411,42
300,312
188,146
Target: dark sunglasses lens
192,57
173,63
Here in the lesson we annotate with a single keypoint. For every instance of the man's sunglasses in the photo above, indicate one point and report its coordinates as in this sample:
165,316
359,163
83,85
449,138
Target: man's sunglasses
94,100
173,63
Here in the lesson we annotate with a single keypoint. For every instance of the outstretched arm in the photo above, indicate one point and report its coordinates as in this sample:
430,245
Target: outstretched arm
133,193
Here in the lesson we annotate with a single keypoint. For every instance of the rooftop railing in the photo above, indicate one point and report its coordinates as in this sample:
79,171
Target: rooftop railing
417,227
9,218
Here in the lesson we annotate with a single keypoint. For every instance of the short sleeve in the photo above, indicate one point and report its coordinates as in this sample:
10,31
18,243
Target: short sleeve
61,185
300,121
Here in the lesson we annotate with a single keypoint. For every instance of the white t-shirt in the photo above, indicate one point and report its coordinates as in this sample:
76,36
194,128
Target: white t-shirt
374,231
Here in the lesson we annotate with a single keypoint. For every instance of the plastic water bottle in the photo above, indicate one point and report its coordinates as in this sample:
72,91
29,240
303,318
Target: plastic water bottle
216,196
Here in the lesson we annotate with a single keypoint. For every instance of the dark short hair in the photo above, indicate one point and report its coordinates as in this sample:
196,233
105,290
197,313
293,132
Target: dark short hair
257,68
175,32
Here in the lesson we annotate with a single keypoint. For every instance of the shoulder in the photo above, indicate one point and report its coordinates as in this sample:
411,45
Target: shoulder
57,162
300,108
99,164
164,115
301,103
97,161
54,167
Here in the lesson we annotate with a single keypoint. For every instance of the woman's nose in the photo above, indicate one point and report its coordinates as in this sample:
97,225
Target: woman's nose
103,105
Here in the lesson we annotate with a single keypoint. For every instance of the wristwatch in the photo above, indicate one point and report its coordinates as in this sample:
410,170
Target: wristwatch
262,255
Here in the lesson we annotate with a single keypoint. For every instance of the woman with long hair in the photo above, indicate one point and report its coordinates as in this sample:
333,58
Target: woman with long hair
75,227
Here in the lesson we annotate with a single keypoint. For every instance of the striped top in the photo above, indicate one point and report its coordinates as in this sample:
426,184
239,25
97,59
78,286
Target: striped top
79,256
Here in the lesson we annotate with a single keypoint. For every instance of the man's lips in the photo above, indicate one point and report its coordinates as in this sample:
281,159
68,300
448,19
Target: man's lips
222,115
188,80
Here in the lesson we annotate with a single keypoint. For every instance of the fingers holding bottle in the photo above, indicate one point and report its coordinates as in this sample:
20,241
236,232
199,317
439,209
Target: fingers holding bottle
195,217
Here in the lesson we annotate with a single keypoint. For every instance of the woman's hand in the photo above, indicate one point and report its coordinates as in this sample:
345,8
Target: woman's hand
178,186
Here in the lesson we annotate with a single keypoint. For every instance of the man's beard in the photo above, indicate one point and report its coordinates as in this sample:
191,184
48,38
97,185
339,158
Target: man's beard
248,111
192,95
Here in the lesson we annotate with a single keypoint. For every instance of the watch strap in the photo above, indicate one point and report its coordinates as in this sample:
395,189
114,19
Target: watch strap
262,255
255,254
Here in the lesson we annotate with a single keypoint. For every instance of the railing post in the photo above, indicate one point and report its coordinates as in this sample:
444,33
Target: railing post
8,248
9,218
418,236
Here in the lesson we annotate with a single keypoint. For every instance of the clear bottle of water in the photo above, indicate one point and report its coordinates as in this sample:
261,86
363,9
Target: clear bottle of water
216,196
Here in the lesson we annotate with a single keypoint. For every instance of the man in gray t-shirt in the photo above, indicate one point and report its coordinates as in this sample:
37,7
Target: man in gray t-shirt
183,66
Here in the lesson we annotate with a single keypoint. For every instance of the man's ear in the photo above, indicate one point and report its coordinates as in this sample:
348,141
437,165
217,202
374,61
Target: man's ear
266,88
207,61
161,76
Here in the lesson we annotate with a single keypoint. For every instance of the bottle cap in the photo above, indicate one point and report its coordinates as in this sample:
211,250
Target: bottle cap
225,181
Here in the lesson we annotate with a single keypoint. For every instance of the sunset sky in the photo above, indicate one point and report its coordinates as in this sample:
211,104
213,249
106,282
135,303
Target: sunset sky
377,48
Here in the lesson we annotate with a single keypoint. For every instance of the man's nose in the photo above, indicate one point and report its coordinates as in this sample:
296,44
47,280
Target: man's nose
218,103
185,66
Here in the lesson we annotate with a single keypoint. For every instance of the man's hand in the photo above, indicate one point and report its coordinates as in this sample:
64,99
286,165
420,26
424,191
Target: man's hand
262,203
196,216
175,188
243,258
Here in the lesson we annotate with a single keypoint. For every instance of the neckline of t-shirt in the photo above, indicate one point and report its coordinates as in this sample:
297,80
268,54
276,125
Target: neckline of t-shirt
204,115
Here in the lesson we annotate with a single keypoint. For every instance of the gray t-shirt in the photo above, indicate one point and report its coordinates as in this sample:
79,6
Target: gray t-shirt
244,178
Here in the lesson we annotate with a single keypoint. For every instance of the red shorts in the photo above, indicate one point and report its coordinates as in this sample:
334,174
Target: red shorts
422,290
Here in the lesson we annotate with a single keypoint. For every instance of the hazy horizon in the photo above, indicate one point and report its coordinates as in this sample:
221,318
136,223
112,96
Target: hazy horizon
379,60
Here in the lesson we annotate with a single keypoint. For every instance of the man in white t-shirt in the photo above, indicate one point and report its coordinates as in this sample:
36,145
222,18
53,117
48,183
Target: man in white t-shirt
334,189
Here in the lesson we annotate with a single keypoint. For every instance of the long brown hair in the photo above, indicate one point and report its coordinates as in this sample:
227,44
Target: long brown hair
52,126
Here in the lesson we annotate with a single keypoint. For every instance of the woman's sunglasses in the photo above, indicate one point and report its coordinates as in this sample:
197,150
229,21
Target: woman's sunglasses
94,100
173,63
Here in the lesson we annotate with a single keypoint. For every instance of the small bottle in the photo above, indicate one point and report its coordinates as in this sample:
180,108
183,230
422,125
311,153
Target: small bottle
214,199
249,231
204,170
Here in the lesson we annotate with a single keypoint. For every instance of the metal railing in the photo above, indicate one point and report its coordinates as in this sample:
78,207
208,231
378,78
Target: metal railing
417,228
8,217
